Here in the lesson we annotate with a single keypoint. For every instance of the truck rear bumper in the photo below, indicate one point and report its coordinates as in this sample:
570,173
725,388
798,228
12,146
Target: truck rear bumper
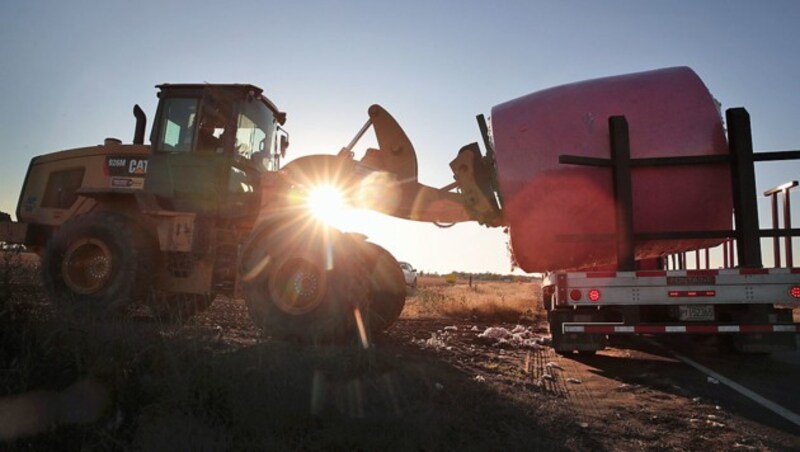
746,338
708,328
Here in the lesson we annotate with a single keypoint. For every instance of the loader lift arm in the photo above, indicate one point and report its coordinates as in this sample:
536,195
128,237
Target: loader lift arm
385,179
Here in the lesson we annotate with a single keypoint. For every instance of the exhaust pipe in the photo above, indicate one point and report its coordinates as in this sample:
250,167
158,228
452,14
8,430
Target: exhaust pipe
141,123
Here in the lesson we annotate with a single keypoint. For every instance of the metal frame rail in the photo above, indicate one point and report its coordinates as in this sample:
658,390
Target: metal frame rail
741,159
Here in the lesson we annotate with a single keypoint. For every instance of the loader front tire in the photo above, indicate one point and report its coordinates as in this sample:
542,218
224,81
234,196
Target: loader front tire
387,287
303,288
96,264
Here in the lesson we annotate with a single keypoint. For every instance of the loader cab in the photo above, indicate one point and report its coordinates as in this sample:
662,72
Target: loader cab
210,144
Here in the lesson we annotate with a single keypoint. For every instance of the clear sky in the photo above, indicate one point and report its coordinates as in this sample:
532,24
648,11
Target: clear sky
72,70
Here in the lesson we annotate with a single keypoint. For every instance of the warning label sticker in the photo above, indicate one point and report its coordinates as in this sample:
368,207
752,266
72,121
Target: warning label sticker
127,182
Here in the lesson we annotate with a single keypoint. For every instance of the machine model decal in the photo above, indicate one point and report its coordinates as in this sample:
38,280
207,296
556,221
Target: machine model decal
126,172
126,166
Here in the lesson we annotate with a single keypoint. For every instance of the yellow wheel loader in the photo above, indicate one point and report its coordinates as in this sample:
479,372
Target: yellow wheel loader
205,209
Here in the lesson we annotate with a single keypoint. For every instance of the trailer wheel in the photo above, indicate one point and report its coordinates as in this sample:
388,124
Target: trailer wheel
97,264
387,287
303,288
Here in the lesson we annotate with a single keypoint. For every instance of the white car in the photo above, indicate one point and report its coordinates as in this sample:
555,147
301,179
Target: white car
410,274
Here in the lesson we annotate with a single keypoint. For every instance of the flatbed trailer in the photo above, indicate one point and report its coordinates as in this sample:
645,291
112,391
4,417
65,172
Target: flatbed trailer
586,306
751,303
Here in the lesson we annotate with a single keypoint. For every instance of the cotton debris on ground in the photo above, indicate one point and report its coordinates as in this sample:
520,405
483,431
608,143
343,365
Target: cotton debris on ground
552,365
438,339
518,337
436,342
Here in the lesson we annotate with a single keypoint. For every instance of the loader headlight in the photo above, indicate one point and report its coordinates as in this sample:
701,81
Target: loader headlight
326,203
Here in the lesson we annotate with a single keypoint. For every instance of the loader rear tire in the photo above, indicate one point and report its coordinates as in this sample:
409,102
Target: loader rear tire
304,288
97,264
387,287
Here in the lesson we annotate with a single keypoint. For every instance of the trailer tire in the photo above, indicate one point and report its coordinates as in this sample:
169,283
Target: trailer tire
305,289
97,264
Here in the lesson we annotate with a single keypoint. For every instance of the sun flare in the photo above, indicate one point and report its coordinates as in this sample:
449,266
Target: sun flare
326,203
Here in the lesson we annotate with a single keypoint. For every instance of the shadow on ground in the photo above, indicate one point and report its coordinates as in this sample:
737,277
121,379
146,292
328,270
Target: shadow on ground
653,366
181,388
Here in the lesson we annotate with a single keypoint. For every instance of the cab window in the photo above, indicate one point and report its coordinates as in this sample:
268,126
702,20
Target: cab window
178,124
254,132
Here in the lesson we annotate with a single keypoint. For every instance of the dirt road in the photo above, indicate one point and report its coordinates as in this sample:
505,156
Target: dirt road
634,395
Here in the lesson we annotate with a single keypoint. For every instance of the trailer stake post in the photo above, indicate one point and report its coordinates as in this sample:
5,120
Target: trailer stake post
623,191
743,179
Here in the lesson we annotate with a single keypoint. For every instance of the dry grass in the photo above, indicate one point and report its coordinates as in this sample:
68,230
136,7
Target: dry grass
507,301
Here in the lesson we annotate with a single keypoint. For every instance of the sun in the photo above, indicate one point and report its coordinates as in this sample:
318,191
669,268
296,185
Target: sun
326,203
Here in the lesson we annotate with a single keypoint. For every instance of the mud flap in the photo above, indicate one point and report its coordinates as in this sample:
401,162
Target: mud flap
568,342
765,343
758,343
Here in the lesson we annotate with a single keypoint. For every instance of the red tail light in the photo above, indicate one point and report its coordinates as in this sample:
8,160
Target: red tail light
575,295
594,295
795,292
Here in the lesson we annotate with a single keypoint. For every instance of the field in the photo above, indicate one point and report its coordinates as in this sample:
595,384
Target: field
436,381
436,298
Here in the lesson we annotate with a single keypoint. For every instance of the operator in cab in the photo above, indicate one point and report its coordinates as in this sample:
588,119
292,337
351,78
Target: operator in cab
209,136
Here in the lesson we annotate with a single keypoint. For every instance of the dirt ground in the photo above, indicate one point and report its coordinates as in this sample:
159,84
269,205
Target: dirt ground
439,379
622,398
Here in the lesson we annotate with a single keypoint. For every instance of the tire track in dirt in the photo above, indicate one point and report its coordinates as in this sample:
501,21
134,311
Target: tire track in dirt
578,389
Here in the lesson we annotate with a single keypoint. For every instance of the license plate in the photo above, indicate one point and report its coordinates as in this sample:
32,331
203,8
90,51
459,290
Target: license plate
699,312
